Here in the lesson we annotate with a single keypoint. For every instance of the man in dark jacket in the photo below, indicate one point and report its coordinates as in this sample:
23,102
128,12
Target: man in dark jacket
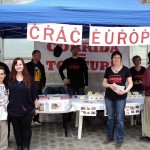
37,71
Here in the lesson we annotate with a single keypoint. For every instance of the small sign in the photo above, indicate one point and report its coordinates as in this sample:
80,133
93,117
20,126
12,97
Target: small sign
130,109
87,110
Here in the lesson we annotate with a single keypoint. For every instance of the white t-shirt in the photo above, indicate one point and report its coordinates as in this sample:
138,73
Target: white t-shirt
3,102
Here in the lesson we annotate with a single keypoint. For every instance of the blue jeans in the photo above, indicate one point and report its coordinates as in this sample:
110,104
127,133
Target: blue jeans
75,91
115,109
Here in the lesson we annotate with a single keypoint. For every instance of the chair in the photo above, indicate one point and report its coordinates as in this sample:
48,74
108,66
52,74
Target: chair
58,90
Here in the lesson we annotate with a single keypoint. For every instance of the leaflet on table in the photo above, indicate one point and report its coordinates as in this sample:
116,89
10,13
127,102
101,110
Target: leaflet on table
118,87
130,109
48,106
88,110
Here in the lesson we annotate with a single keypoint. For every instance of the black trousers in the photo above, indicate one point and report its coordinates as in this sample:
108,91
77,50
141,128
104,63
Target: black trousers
22,129
75,91
36,117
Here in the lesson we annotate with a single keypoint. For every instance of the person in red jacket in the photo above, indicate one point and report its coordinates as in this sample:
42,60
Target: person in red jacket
146,123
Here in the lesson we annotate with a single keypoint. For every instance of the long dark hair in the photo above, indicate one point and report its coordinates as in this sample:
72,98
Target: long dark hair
25,73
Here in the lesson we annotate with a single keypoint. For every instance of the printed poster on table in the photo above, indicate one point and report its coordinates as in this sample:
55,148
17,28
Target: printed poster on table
47,106
44,106
88,110
130,109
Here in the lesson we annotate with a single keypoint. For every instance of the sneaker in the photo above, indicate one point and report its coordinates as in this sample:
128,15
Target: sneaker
118,144
144,138
36,123
107,141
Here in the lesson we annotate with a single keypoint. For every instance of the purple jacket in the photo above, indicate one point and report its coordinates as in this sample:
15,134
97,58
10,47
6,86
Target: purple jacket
146,81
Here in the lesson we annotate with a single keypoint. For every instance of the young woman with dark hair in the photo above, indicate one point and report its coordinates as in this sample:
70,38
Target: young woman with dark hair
115,100
23,103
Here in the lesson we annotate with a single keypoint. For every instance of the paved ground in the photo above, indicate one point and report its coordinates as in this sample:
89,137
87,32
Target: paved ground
51,136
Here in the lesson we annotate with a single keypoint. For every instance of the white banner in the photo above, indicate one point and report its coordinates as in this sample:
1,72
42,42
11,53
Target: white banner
97,58
119,36
55,33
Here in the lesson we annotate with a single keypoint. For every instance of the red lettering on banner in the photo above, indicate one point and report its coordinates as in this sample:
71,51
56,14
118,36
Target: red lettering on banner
48,32
111,37
94,65
84,48
50,64
97,65
61,35
72,36
113,48
104,49
145,35
50,47
122,36
135,38
59,64
94,37
103,65
31,32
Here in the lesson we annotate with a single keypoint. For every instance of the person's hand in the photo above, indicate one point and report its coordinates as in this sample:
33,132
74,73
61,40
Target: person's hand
36,111
67,81
121,92
86,88
112,87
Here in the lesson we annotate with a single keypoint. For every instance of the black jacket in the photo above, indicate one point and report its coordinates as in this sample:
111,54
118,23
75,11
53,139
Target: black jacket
30,67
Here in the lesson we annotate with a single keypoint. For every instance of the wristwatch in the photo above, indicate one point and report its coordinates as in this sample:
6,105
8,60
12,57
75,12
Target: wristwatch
37,108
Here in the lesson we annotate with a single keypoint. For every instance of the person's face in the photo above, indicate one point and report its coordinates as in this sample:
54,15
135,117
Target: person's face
37,57
19,66
75,52
2,75
137,62
116,60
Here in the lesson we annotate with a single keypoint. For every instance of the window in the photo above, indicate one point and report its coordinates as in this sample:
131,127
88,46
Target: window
17,48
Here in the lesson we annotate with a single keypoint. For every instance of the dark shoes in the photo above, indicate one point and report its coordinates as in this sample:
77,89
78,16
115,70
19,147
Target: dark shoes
23,148
107,141
19,148
26,148
145,139
118,144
